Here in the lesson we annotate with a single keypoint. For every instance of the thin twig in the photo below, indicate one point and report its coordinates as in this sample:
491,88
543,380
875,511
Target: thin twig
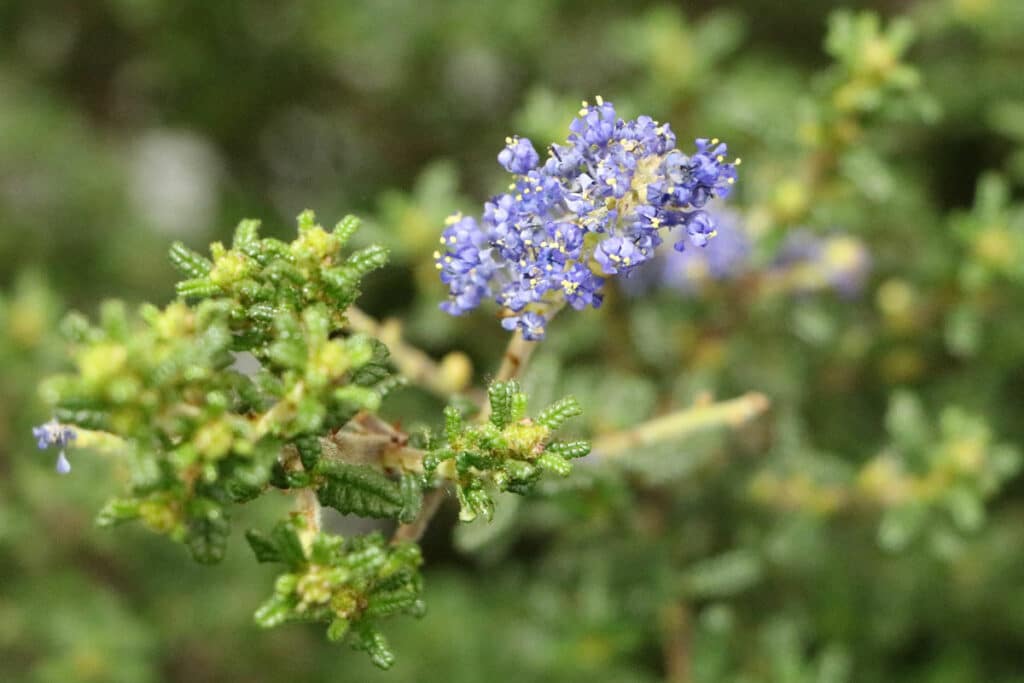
517,355
676,643
308,507
731,413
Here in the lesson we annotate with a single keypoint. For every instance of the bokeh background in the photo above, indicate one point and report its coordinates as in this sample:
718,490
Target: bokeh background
870,527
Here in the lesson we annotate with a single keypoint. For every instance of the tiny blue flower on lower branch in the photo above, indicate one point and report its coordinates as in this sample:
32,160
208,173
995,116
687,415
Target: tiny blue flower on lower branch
53,433
597,207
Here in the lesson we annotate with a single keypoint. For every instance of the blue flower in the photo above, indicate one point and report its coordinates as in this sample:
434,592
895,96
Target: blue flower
581,286
597,207
617,255
519,156
53,433
531,324
700,228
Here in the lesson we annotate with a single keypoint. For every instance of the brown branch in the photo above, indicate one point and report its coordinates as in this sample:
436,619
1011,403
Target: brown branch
414,531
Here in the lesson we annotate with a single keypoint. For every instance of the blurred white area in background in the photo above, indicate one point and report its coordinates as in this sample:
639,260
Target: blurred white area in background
174,179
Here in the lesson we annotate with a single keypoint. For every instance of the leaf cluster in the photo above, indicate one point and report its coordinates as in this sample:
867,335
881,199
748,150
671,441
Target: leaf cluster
508,452
348,583
200,430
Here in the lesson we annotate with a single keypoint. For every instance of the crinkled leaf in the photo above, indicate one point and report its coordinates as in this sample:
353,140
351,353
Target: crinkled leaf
354,489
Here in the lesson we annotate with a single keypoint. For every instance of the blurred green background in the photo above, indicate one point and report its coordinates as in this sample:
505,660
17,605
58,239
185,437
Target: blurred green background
869,528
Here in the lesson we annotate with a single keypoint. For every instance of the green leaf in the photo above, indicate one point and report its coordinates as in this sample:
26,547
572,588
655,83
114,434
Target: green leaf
263,547
287,543
274,611
117,511
188,262
366,260
308,446
338,629
247,235
373,642
208,530
306,221
325,549
453,424
345,228
558,413
354,489
553,462
377,369
387,603
246,479
412,497
569,449
432,459
197,288
474,501
500,395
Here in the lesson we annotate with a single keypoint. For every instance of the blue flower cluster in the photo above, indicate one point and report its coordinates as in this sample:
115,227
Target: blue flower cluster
53,433
595,208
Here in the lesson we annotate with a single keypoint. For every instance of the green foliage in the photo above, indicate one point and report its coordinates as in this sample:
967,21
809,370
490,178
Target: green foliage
200,433
264,277
360,490
508,453
347,583
946,473
866,528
